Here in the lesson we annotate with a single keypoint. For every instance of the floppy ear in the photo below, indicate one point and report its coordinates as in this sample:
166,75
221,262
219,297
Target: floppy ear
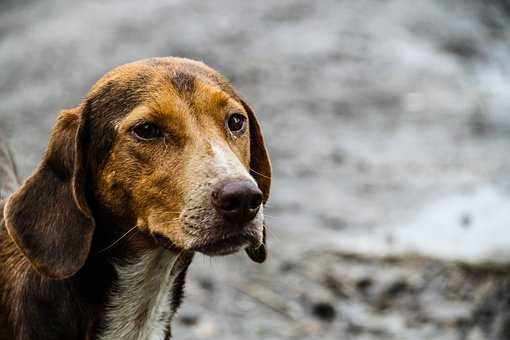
48,217
260,169
260,165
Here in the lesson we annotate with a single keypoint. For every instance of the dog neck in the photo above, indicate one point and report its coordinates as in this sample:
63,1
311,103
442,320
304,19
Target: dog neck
145,296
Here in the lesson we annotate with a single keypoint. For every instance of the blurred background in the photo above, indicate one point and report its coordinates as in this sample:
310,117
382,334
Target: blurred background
389,129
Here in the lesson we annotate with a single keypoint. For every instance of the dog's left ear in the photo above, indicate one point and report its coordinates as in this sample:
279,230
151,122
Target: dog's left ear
260,169
48,217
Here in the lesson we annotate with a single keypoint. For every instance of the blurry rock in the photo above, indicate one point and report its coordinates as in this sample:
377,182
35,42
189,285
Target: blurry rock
447,312
462,47
479,122
363,284
501,327
390,292
206,283
336,286
466,220
188,319
333,222
338,156
476,334
397,287
493,314
207,329
287,266
311,327
343,108
324,311
356,328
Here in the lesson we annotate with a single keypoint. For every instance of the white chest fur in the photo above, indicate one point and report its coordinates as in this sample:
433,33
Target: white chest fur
140,306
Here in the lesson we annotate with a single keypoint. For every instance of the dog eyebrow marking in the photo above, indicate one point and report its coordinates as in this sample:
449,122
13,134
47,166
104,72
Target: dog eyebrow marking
183,82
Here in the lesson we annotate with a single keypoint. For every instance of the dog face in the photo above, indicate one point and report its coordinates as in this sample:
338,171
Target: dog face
174,156
164,145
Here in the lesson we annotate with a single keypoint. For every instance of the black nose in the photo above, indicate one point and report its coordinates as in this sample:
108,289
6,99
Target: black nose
237,201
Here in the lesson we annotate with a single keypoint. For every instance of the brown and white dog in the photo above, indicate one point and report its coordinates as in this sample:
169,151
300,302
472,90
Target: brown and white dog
160,160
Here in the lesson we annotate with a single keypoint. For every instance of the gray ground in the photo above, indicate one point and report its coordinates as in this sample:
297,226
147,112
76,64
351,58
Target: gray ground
372,110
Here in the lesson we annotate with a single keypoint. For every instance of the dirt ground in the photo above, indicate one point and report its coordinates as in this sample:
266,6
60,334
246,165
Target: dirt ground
373,110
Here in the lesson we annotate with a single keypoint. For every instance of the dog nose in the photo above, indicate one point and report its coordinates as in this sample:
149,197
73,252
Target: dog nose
237,201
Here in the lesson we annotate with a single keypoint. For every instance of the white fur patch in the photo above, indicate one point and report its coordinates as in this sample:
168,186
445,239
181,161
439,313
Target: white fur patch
227,164
139,306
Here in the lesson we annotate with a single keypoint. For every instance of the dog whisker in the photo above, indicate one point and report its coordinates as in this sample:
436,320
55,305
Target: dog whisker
118,240
273,234
164,142
272,216
260,174
133,234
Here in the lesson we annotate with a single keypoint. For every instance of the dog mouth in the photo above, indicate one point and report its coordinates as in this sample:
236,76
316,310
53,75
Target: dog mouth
226,245
214,239
215,246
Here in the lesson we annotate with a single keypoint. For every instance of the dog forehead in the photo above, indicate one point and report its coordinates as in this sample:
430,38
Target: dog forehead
189,77
129,85
181,72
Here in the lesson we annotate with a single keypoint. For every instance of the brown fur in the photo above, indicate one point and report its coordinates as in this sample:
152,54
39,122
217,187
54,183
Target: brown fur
96,181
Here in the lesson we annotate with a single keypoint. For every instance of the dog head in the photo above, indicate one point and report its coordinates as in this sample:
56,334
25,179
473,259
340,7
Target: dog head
162,146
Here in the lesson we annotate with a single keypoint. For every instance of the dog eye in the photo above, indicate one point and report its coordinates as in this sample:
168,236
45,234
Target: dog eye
236,122
147,131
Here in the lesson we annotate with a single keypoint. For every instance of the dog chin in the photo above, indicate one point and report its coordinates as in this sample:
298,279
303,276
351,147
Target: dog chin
220,251
226,245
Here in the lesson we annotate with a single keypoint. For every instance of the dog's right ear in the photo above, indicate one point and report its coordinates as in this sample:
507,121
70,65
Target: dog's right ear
260,169
48,217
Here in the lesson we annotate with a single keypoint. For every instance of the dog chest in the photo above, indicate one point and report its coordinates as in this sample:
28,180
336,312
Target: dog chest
140,302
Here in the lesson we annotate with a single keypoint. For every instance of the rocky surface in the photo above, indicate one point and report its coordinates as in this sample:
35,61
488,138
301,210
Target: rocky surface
388,126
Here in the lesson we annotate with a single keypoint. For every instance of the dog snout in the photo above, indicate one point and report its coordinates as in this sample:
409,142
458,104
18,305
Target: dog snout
237,201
